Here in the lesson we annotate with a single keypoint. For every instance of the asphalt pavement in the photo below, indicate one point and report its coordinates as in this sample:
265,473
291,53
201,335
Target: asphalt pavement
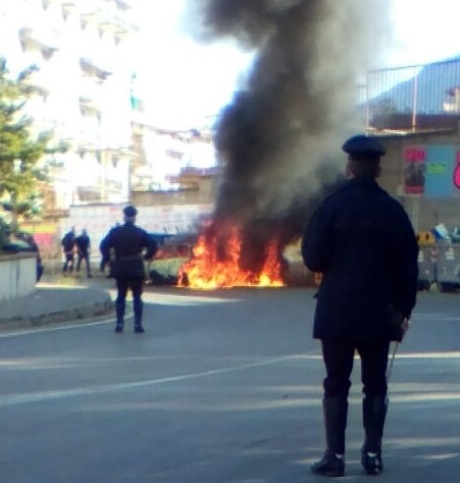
224,387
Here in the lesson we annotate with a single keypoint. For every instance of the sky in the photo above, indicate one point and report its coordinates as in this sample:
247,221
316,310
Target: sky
186,84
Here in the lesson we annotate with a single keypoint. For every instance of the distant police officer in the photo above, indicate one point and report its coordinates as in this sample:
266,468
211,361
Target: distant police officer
128,242
83,244
68,246
363,243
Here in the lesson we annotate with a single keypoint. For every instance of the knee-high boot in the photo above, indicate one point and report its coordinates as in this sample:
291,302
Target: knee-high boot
138,309
374,413
120,311
335,422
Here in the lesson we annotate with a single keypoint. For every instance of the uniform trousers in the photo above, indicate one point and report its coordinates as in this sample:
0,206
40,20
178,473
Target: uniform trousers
136,284
69,261
84,256
338,356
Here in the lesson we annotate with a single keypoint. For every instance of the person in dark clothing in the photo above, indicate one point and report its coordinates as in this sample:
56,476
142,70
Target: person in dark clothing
128,242
83,244
106,262
68,246
362,241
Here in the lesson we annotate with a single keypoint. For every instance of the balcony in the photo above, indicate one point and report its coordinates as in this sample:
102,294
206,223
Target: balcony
96,63
107,16
41,35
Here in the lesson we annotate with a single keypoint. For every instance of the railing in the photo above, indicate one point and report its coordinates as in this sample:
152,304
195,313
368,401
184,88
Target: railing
413,98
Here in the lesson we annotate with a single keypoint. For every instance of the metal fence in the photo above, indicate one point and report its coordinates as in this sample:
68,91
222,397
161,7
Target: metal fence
412,98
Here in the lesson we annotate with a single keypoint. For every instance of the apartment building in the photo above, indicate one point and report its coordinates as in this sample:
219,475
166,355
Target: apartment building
82,89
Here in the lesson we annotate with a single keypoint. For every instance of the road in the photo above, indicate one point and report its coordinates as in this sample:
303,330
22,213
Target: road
224,387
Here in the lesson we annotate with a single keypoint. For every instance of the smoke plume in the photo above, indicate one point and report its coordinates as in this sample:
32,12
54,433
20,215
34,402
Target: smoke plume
297,103
279,140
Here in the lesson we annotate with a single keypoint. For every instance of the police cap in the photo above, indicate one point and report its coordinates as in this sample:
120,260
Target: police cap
362,145
130,211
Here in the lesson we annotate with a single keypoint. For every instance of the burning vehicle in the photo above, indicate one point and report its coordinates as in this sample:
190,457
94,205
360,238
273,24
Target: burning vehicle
226,256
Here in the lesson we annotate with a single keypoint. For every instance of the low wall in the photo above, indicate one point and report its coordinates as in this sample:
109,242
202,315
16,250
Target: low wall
18,275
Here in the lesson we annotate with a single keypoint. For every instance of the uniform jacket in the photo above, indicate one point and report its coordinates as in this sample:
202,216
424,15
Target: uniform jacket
83,243
362,240
68,242
128,242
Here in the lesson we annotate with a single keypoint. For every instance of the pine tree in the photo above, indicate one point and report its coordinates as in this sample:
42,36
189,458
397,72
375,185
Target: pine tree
20,151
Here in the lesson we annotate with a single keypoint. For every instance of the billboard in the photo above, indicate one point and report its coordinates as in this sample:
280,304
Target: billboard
432,171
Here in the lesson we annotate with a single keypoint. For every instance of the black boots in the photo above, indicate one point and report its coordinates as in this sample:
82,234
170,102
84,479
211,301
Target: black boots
374,412
137,307
331,465
335,422
120,310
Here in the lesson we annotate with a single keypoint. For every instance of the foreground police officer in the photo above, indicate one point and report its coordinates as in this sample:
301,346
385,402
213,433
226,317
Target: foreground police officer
362,241
128,242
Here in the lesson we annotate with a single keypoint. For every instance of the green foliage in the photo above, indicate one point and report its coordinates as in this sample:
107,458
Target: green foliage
20,174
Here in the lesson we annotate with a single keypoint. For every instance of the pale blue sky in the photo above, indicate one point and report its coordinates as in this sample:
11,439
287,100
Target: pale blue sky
185,82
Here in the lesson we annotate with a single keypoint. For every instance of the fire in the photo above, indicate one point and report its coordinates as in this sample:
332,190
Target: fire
213,267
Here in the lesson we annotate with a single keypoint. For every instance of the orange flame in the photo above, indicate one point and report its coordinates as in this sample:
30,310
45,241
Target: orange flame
207,270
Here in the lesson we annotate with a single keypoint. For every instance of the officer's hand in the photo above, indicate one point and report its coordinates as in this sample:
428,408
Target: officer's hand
405,326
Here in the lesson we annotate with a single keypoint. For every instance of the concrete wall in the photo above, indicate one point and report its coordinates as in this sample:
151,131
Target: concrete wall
18,276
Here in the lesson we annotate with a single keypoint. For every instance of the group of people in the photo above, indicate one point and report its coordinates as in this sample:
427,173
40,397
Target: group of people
362,242
79,245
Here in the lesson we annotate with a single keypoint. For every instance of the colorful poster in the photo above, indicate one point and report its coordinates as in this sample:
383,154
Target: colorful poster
414,158
439,171
432,170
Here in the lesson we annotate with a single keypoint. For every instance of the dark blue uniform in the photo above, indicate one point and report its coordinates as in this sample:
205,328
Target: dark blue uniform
68,246
83,244
363,243
128,242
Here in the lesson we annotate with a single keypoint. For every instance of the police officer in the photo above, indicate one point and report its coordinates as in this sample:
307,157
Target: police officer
83,244
68,247
128,242
362,241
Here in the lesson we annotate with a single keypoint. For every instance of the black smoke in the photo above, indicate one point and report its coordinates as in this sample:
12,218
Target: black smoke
279,140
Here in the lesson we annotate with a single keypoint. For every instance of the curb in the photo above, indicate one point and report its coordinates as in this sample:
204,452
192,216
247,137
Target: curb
81,313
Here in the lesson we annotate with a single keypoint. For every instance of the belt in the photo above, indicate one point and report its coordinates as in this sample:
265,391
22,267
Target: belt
129,257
